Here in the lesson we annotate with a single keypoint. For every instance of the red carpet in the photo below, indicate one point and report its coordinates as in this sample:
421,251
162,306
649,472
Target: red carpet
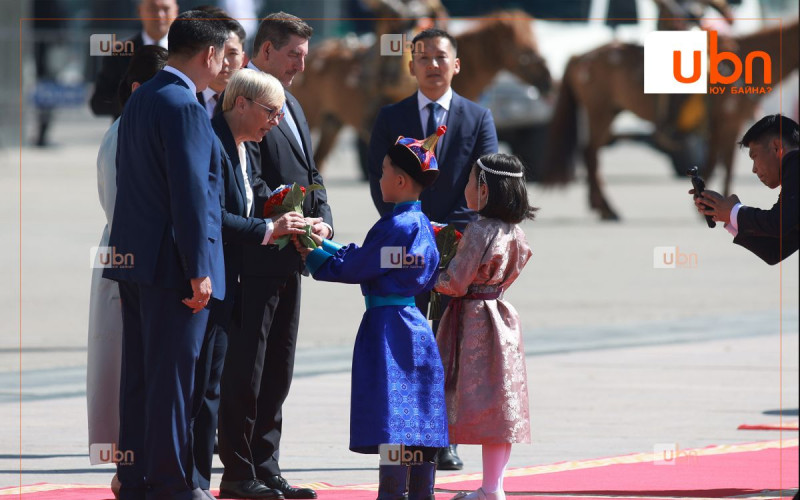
786,426
757,470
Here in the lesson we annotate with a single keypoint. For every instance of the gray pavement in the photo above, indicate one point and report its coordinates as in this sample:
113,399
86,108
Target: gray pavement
621,356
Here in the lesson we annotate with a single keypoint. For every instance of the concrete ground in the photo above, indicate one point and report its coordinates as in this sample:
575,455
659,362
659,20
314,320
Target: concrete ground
622,356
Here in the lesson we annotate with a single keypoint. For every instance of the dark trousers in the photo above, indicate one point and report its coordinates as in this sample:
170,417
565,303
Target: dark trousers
258,372
207,397
161,344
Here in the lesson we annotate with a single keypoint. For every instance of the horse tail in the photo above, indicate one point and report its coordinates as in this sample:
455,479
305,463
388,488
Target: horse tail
559,164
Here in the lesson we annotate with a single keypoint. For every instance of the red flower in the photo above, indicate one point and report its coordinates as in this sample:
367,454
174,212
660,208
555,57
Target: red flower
276,199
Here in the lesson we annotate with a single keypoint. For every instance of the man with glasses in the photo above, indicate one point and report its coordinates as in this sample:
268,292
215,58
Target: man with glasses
260,358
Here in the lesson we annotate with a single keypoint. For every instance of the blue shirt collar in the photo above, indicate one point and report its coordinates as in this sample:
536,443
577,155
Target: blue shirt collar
407,205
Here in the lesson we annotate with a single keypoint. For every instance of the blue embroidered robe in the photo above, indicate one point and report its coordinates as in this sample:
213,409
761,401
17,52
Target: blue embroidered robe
397,392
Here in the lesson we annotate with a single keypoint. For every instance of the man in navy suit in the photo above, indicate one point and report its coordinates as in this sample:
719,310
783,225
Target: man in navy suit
771,234
166,226
470,134
470,129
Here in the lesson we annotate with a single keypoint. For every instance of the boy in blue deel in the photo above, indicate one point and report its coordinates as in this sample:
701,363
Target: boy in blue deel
397,400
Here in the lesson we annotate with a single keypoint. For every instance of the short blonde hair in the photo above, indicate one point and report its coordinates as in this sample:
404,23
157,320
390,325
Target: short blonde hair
254,85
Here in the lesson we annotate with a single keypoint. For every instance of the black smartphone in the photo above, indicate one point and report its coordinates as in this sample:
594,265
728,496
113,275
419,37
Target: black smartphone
699,186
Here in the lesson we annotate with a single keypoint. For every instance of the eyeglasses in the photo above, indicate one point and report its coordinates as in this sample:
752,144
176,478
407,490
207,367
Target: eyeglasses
274,114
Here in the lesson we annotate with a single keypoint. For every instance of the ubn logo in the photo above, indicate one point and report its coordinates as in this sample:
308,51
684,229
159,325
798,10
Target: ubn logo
671,454
671,257
107,453
686,62
396,454
393,44
108,45
103,257
397,258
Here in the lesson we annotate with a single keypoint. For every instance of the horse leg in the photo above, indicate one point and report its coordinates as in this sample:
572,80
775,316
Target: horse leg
329,130
599,132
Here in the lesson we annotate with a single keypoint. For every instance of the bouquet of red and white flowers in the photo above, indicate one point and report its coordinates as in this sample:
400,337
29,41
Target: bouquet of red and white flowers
447,238
289,198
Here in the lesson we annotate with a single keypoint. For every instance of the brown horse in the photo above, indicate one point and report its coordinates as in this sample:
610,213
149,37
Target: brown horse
339,84
610,79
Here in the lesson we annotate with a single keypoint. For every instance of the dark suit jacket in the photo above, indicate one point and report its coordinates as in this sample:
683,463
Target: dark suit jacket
470,134
105,100
773,234
167,212
281,161
239,227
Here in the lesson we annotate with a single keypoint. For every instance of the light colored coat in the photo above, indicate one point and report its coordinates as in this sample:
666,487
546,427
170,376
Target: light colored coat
481,346
104,357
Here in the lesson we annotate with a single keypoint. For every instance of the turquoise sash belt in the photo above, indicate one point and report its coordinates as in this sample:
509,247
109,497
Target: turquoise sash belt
388,300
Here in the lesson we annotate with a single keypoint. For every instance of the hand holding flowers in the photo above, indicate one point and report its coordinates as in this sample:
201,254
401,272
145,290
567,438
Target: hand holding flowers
287,200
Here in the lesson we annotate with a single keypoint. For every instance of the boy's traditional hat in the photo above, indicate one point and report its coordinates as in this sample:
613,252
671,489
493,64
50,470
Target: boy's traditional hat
416,157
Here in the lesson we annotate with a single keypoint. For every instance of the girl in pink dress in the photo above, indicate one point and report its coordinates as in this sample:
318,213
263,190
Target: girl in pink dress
480,337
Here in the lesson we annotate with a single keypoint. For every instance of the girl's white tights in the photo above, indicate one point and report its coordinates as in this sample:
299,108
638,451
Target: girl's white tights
495,460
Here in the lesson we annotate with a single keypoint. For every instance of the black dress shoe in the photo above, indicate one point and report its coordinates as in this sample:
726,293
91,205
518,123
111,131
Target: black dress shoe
280,484
447,459
251,488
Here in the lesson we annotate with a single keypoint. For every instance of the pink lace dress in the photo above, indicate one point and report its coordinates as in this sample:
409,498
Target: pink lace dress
480,337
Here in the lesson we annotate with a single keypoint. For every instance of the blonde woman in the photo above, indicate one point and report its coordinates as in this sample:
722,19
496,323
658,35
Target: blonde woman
251,106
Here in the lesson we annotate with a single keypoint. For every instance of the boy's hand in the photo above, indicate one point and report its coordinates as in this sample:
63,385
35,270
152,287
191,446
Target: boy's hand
301,249
318,239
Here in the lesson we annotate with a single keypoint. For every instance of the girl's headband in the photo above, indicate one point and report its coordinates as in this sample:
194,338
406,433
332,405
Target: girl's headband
498,172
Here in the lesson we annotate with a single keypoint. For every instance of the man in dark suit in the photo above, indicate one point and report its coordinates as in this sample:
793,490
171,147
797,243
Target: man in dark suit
156,17
260,358
166,227
770,234
470,129
470,134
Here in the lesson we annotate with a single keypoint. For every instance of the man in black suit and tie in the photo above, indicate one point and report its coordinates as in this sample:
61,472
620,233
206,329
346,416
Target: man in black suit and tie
770,234
156,17
261,348
470,134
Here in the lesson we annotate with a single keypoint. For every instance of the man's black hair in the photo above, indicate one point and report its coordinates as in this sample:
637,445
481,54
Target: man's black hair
772,126
145,63
193,31
231,24
434,33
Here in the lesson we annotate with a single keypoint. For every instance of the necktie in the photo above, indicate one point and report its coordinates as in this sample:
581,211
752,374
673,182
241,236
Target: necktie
433,118
292,126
